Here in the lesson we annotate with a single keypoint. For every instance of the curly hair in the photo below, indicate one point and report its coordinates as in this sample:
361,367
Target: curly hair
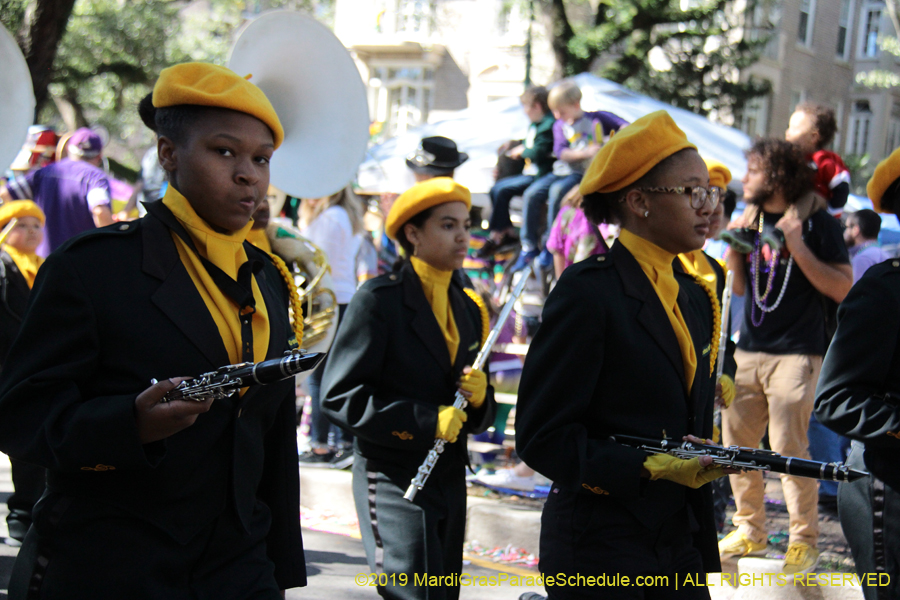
785,167
826,125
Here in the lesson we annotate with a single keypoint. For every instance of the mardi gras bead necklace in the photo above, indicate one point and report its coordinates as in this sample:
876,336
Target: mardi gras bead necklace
759,301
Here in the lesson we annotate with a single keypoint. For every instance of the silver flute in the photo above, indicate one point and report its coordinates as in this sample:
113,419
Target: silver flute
724,334
460,402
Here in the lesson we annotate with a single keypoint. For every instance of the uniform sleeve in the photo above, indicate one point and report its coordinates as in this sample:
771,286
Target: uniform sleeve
352,396
559,381
44,416
849,396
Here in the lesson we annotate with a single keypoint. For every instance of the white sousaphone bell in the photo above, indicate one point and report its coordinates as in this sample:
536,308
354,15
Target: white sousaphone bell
16,99
315,87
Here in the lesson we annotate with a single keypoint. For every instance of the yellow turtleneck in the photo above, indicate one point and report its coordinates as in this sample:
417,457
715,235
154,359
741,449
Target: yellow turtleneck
28,263
696,263
657,265
226,251
436,285
258,238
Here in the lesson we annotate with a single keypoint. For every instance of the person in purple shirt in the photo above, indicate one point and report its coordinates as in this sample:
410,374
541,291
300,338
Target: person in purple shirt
73,193
861,230
577,136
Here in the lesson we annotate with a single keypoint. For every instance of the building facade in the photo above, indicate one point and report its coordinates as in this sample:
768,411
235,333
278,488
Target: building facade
815,53
420,57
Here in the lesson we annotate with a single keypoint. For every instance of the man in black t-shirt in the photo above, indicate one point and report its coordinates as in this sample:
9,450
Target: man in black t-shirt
789,296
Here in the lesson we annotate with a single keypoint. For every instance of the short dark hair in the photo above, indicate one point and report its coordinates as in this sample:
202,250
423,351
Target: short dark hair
785,167
826,125
869,223
418,220
539,94
729,202
173,122
607,207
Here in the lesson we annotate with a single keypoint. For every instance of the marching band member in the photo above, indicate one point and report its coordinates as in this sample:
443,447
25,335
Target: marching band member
148,499
857,397
628,345
20,264
398,360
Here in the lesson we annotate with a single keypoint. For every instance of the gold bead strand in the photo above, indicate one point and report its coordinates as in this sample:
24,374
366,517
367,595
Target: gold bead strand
717,321
485,320
296,303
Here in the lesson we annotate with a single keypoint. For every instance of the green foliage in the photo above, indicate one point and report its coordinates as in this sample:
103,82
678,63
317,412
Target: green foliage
861,170
113,51
698,52
880,78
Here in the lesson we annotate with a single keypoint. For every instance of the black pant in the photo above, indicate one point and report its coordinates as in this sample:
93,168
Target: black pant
586,535
80,549
404,539
865,506
29,482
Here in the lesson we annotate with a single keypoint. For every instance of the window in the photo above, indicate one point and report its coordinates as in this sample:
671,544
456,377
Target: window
755,116
893,137
414,16
871,21
843,41
797,96
860,124
805,26
763,19
401,95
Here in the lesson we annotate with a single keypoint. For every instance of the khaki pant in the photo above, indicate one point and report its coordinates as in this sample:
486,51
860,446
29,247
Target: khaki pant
778,390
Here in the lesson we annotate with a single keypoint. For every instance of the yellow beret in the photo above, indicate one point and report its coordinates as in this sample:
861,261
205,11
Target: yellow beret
886,173
18,209
203,84
719,175
422,196
632,152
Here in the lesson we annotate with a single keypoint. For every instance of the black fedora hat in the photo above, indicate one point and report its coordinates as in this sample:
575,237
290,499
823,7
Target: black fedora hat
436,154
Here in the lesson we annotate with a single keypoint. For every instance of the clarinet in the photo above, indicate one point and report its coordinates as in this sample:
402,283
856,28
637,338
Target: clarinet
225,381
460,402
744,459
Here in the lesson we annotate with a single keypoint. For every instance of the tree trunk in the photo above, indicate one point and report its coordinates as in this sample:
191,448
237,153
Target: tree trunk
45,25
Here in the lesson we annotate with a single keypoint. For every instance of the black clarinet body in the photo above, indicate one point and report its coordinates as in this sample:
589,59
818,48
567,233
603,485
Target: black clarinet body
745,459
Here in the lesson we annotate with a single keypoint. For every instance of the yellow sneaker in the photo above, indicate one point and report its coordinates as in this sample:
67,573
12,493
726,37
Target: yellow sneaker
738,544
800,558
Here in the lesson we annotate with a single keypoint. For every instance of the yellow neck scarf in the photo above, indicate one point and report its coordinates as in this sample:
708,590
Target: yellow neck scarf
258,238
436,285
696,264
226,251
657,265
28,263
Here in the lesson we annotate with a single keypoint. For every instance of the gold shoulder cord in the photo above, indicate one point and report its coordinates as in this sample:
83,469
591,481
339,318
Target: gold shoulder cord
717,321
296,305
485,321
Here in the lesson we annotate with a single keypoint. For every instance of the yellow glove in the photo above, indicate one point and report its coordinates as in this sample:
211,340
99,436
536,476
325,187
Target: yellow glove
475,382
684,472
449,423
727,384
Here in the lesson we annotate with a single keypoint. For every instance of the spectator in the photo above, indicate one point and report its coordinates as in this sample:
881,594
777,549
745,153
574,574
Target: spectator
537,150
782,341
861,230
572,237
577,136
333,224
811,129
150,187
74,193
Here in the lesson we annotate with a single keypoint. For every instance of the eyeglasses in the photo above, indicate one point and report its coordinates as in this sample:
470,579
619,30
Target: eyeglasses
699,195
